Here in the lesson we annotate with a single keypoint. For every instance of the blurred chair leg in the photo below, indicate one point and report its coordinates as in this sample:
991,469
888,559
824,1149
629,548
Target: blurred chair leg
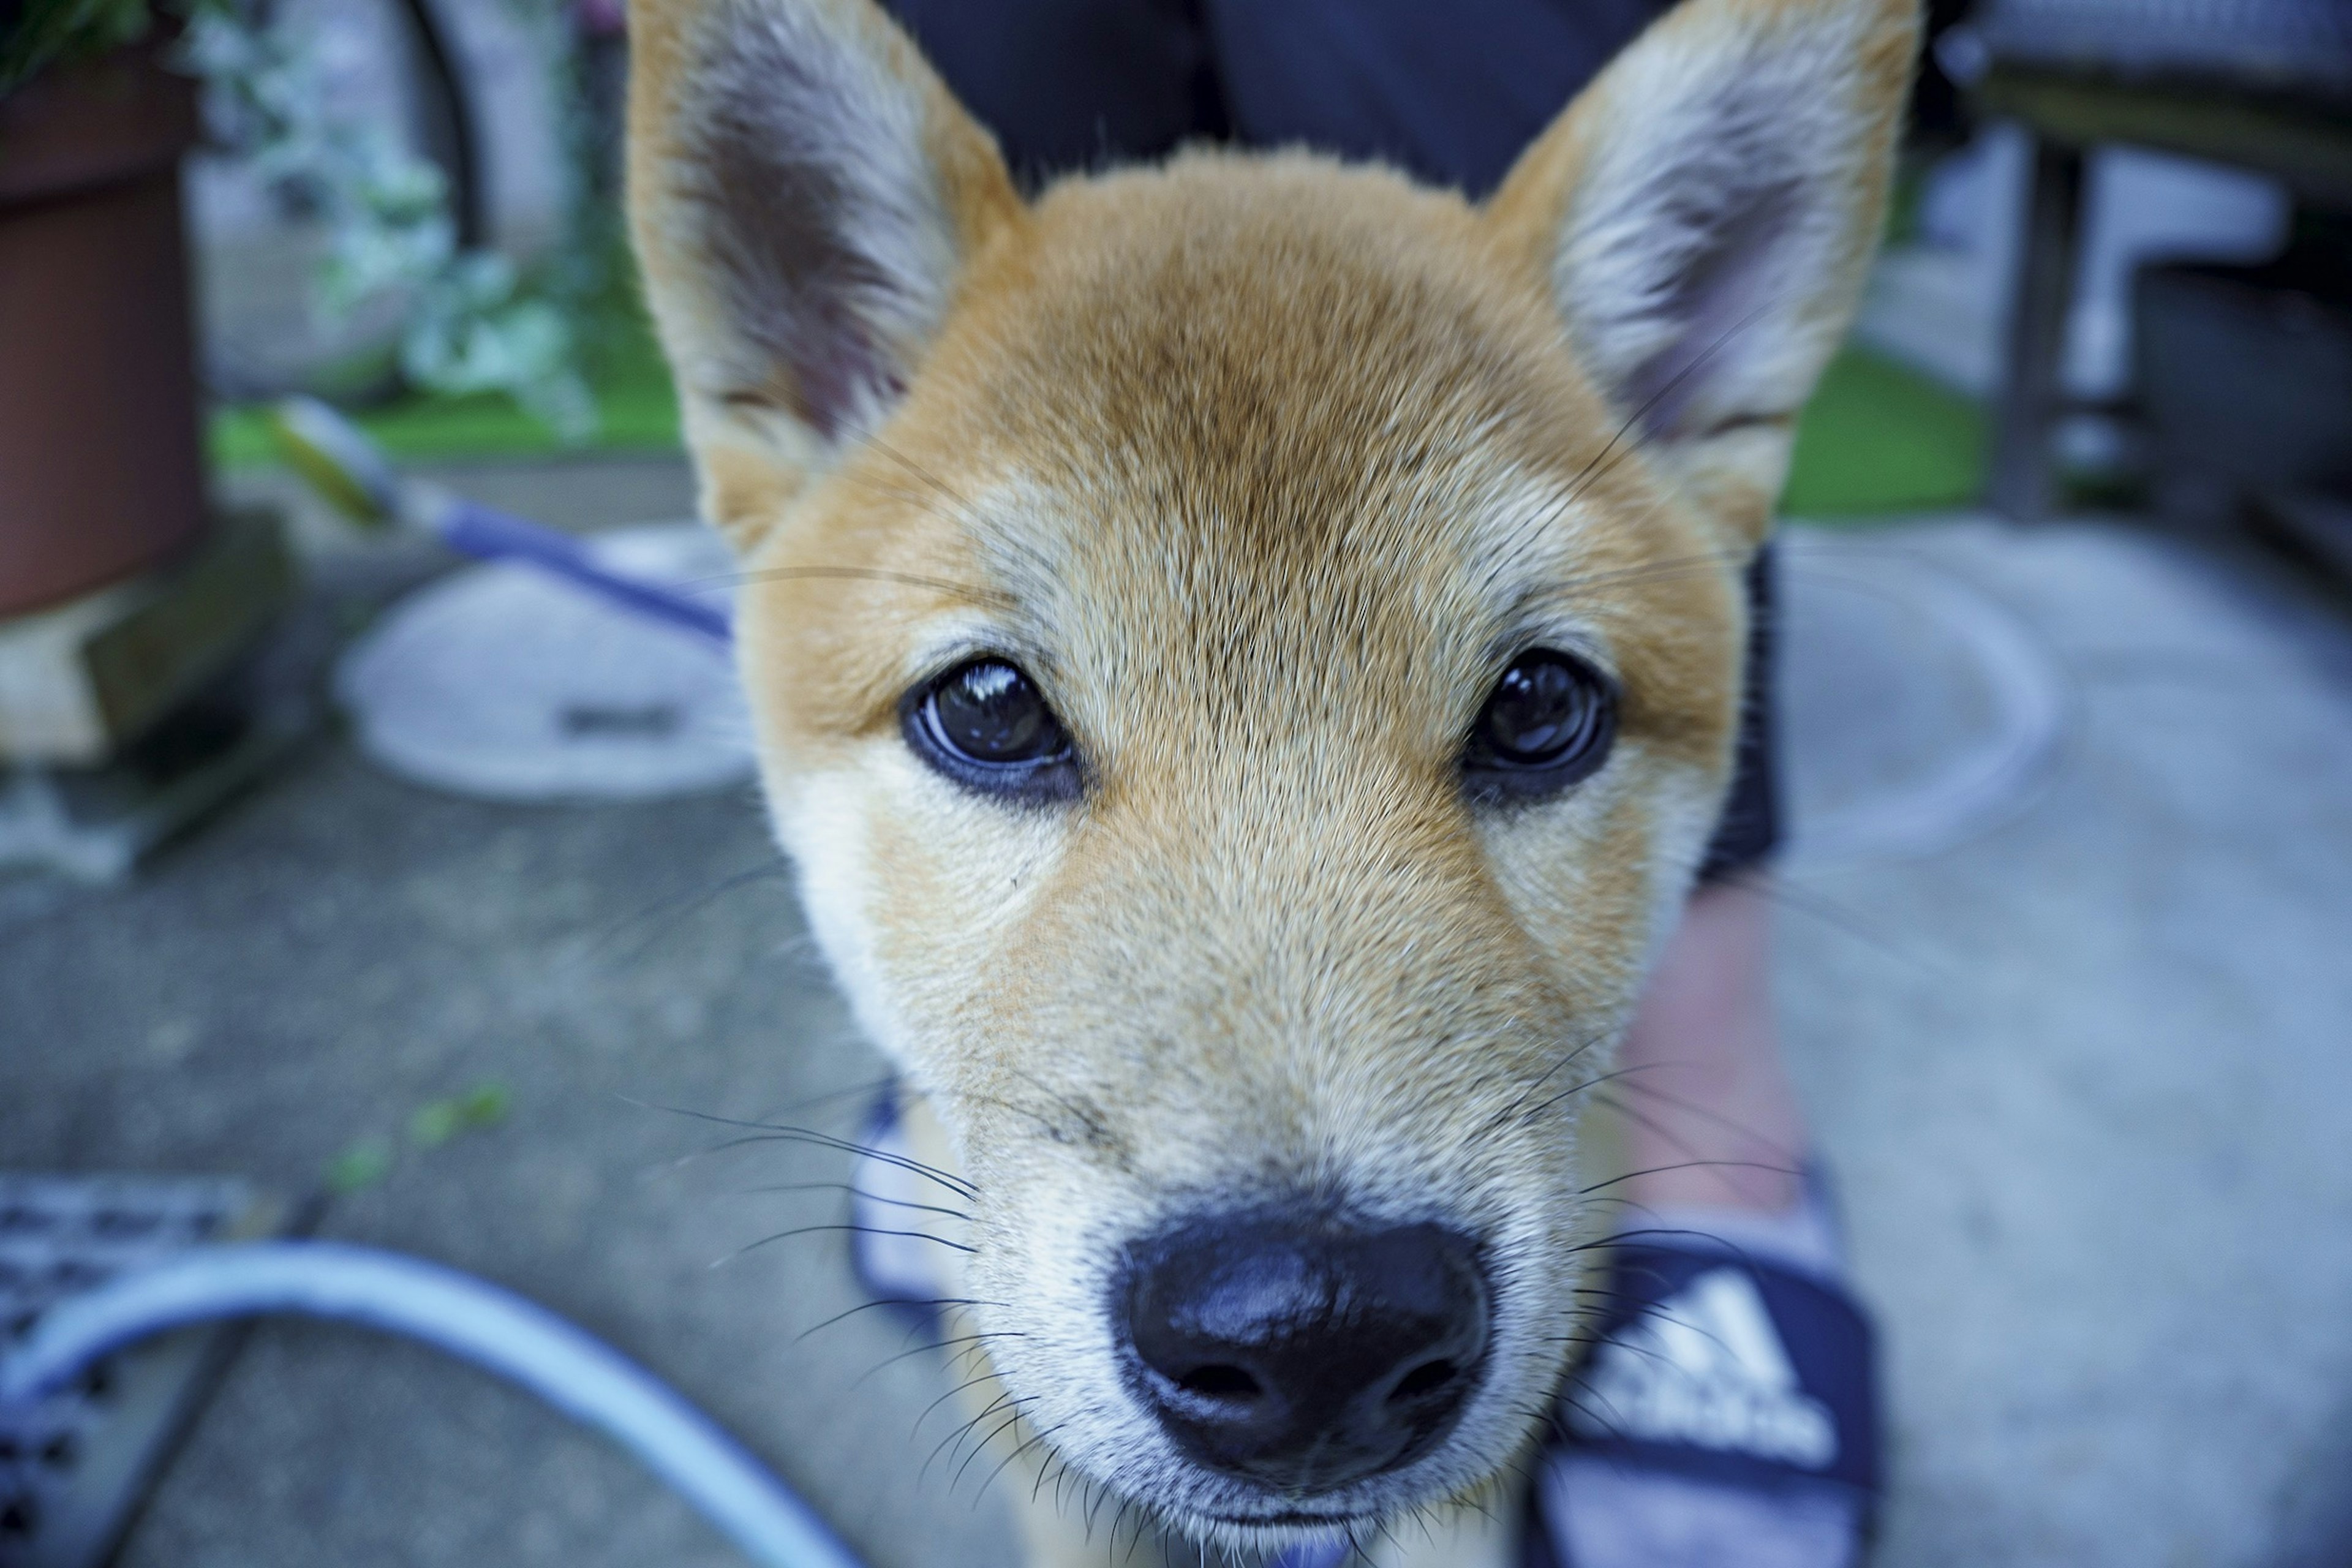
2024,481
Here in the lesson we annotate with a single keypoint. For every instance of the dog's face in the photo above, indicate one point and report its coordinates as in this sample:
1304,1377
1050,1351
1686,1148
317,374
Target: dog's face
1245,658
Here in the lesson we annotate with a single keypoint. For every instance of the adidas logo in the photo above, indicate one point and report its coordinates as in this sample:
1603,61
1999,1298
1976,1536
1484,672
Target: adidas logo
1705,1367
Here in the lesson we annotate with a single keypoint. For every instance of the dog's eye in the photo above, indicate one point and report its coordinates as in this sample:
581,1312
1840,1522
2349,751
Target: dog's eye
984,723
1548,723
989,712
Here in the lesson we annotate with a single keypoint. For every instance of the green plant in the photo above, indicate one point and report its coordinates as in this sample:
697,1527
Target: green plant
37,34
436,1121
470,321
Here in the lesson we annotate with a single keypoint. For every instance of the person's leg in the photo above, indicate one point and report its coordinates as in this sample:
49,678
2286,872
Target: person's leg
1712,1120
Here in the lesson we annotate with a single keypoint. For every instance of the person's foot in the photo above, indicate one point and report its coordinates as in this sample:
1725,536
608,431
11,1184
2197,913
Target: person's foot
1727,1416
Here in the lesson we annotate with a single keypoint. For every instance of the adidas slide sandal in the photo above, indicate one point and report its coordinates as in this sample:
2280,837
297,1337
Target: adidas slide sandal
1725,1417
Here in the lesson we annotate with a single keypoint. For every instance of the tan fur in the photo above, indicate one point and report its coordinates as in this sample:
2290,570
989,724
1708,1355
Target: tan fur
1262,468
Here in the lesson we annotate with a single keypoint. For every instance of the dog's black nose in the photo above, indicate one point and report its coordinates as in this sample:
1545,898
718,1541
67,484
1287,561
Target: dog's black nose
1300,1354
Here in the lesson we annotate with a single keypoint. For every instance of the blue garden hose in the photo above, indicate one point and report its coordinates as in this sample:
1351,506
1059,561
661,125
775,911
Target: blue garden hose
352,473
494,1329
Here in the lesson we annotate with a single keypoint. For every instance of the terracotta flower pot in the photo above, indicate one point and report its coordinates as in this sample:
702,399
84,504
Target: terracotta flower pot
100,467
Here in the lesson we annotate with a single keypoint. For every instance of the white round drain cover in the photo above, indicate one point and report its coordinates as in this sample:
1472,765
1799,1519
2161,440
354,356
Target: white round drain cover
502,681
1916,710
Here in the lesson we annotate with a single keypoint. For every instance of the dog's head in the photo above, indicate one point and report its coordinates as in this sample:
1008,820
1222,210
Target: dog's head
1246,656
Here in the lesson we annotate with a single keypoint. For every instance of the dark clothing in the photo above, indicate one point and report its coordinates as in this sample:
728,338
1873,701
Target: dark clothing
1750,829
1075,84
1450,93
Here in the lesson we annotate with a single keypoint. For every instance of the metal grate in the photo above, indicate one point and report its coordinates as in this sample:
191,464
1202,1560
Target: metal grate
74,1467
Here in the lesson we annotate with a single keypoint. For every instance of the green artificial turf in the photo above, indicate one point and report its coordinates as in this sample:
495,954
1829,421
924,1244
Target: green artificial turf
1877,439
636,411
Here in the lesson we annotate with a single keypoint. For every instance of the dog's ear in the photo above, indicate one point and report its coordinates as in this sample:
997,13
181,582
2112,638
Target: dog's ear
805,195
1703,215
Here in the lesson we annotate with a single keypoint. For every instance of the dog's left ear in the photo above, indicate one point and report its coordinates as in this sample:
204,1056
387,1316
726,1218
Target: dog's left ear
1703,215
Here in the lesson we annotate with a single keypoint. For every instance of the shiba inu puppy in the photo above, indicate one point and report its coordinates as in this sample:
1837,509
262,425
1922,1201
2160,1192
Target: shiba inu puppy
1246,656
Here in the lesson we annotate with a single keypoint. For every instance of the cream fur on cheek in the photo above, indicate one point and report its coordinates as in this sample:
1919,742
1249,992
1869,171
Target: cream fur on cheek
824,830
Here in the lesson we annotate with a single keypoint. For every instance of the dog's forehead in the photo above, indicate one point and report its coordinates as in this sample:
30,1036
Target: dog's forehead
1262,451
1265,419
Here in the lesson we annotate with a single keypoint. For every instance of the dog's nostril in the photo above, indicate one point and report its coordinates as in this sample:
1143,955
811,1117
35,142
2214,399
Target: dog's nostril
1427,1378
1221,1383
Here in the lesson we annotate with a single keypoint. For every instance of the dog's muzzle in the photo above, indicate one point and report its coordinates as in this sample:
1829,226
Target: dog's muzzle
1300,1353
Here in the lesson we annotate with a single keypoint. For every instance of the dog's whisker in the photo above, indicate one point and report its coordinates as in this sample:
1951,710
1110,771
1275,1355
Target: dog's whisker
1775,1159
1609,1422
1587,1085
1656,1129
1046,1123
1661,1359
808,1138
946,587
956,1434
1696,1165
970,1383
1617,449
870,1306
1666,389
1830,914
1101,1495
867,1090
854,1229
855,1191
1510,1113
973,1344
873,438
682,903
990,1481
1064,1486
1016,1405
1089,1119
1691,1108
764,1132
1045,1471
873,484
961,1387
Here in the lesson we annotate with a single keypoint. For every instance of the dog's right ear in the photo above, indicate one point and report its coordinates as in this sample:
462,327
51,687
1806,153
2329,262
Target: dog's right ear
804,194
1703,215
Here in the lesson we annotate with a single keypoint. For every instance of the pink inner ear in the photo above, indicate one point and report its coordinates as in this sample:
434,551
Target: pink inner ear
798,225
1722,294
836,368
